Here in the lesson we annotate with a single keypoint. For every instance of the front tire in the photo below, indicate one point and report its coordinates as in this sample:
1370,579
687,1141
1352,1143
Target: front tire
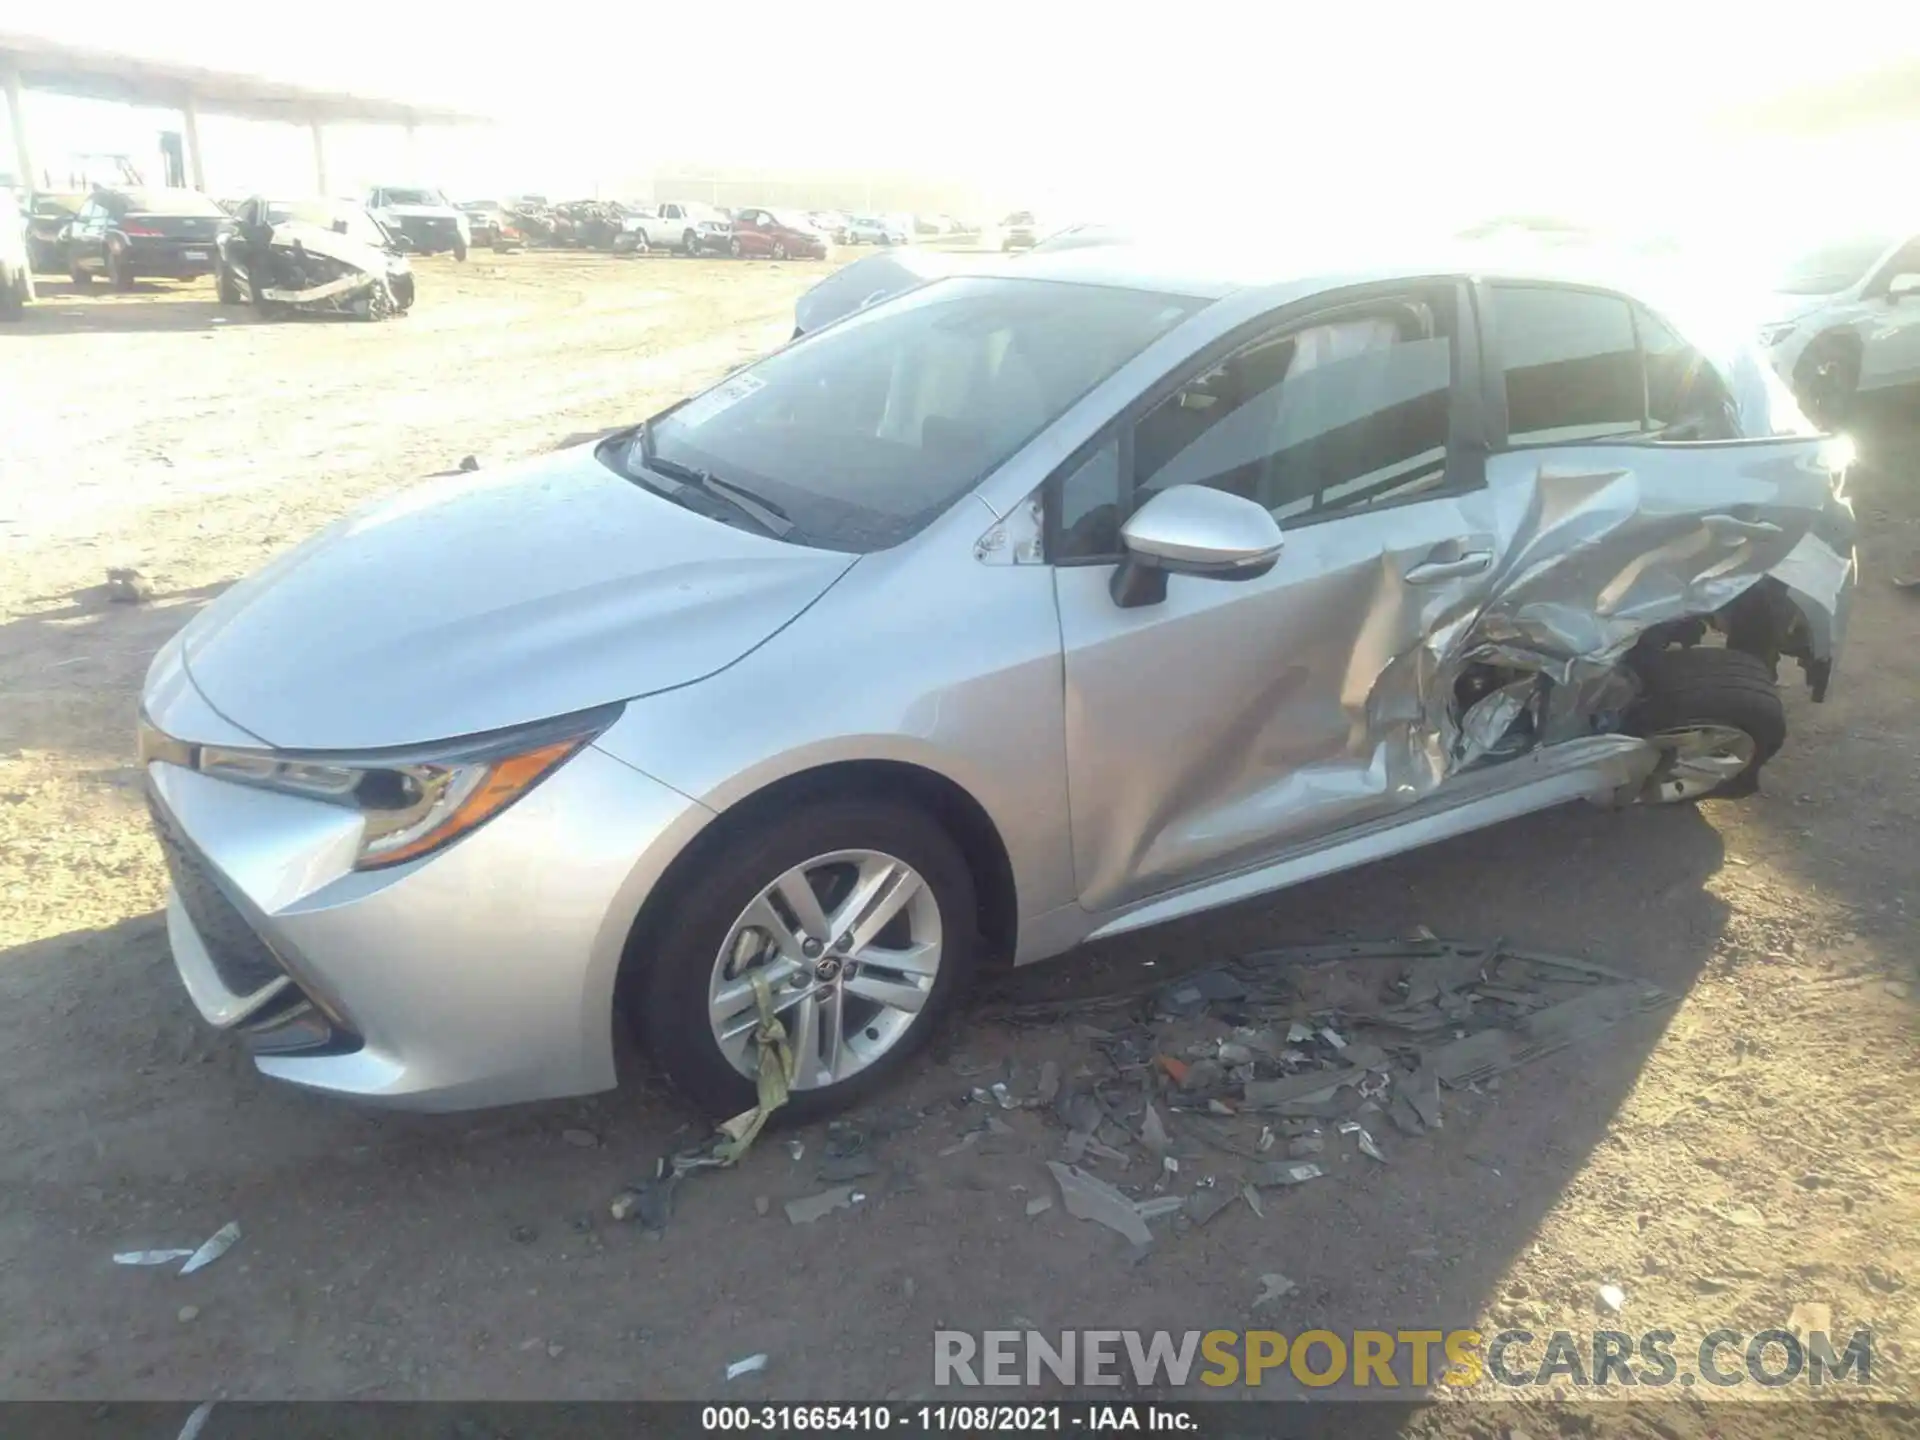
1716,716
776,900
118,272
690,244
1826,380
459,249
733,247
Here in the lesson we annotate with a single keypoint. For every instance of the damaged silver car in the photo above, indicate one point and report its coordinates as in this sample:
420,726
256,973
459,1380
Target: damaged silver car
1021,609
315,257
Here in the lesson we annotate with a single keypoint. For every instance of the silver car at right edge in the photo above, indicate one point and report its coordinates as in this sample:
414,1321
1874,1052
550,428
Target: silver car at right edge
1026,607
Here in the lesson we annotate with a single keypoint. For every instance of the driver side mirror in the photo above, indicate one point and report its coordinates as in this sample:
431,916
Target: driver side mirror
1904,287
1192,530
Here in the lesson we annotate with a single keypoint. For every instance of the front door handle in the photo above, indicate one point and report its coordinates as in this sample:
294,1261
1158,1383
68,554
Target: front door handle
1471,562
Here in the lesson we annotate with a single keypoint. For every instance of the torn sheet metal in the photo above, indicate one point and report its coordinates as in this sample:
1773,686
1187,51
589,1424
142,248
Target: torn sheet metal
1332,699
285,262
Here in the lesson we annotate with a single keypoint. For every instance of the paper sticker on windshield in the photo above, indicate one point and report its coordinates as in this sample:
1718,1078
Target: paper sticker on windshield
725,395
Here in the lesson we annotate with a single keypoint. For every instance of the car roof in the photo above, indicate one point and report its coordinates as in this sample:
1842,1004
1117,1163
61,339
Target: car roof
1215,272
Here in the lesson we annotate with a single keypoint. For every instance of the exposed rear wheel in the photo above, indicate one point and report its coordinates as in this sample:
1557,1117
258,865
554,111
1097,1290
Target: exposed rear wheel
119,271
857,918
1715,716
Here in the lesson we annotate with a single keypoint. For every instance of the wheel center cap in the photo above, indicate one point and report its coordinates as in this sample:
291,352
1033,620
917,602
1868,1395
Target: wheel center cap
827,969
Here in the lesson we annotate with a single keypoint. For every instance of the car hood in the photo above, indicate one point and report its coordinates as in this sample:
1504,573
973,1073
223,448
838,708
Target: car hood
1778,309
489,600
333,245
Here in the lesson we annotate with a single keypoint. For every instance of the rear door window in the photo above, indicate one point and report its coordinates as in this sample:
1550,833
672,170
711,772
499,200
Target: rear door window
1686,398
1570,362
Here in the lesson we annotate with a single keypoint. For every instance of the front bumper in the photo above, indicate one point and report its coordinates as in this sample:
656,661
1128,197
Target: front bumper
482,974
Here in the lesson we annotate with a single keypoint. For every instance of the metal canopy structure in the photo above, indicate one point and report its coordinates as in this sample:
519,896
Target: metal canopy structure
31,63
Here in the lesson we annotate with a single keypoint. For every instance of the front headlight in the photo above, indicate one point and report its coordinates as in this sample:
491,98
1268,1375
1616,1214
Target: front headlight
1771,335
415,802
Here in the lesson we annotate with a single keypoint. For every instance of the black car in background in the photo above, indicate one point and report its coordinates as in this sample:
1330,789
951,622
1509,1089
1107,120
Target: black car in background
131,234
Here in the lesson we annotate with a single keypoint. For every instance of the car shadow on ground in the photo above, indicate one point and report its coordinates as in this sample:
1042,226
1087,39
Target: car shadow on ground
60,307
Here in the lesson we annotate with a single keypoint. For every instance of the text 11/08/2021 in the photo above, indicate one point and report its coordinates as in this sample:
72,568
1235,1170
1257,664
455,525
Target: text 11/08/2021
907,1418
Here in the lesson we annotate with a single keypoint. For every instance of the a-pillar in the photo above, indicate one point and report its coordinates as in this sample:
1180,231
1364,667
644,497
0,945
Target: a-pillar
196,168
17,121
319,158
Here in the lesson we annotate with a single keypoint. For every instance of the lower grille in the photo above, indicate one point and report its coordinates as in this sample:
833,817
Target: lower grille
240,957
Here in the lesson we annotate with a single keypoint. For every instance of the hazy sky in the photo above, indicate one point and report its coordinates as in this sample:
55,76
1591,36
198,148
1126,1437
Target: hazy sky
1214,107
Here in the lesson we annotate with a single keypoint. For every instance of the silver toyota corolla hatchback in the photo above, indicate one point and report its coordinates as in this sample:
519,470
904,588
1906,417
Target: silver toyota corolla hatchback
1022,608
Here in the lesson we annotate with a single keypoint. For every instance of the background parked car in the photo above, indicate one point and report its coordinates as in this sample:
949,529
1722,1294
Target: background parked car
424,216
487,224
777,234
688,226
16,274
1845,320
831,223
1019,231
48,216
877,230
127,235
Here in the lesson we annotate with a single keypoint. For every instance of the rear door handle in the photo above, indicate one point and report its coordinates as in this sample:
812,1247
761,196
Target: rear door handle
1471,562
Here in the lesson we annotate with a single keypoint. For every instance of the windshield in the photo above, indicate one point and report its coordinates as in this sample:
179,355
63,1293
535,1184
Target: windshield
866,432
1831,268
169,202
414,197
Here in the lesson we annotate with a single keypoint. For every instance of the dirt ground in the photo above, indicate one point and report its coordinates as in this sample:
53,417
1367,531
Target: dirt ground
1754,1148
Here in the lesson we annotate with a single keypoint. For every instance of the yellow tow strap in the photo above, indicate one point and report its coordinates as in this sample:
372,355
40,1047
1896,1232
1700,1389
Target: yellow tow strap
777,1067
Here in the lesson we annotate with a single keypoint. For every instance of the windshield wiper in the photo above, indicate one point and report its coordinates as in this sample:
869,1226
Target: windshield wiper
763,512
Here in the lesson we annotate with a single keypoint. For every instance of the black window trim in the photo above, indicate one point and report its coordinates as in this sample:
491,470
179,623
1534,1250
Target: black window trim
1469,429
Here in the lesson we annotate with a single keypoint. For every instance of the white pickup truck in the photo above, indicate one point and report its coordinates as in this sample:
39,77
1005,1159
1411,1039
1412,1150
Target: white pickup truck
684,225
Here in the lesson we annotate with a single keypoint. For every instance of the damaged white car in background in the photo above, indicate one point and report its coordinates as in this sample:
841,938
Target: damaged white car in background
313,256
1024,607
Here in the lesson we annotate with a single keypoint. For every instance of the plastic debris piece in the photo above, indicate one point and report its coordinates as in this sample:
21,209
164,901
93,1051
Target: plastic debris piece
149,1257
187,1314
1231,1053
1203,1205
1049,1082
217,1244
1401,1112
810,1208
1286,1172
1003,1097
1075,1146
796,1148
1153,1132
1333,1037
1308,1085
197,1421
1039,1205
1266,1138
1298,1032
1273,1287
1175,1070
845,1167
1368,1148
964,1142
1252,1197
752,1365
1613,1297
1161,1205
1089,1198
1220,1107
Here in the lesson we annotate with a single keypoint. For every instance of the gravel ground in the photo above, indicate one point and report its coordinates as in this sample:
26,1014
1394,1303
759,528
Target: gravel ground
1750,1150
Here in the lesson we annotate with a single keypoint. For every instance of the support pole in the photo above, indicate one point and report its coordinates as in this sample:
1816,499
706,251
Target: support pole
17,121
196,168
319,157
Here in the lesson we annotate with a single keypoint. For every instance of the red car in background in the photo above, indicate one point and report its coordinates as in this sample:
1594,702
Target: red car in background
775,233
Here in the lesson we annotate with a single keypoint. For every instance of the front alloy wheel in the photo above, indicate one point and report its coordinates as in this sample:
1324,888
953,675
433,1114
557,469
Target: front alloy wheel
848,947
855,918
